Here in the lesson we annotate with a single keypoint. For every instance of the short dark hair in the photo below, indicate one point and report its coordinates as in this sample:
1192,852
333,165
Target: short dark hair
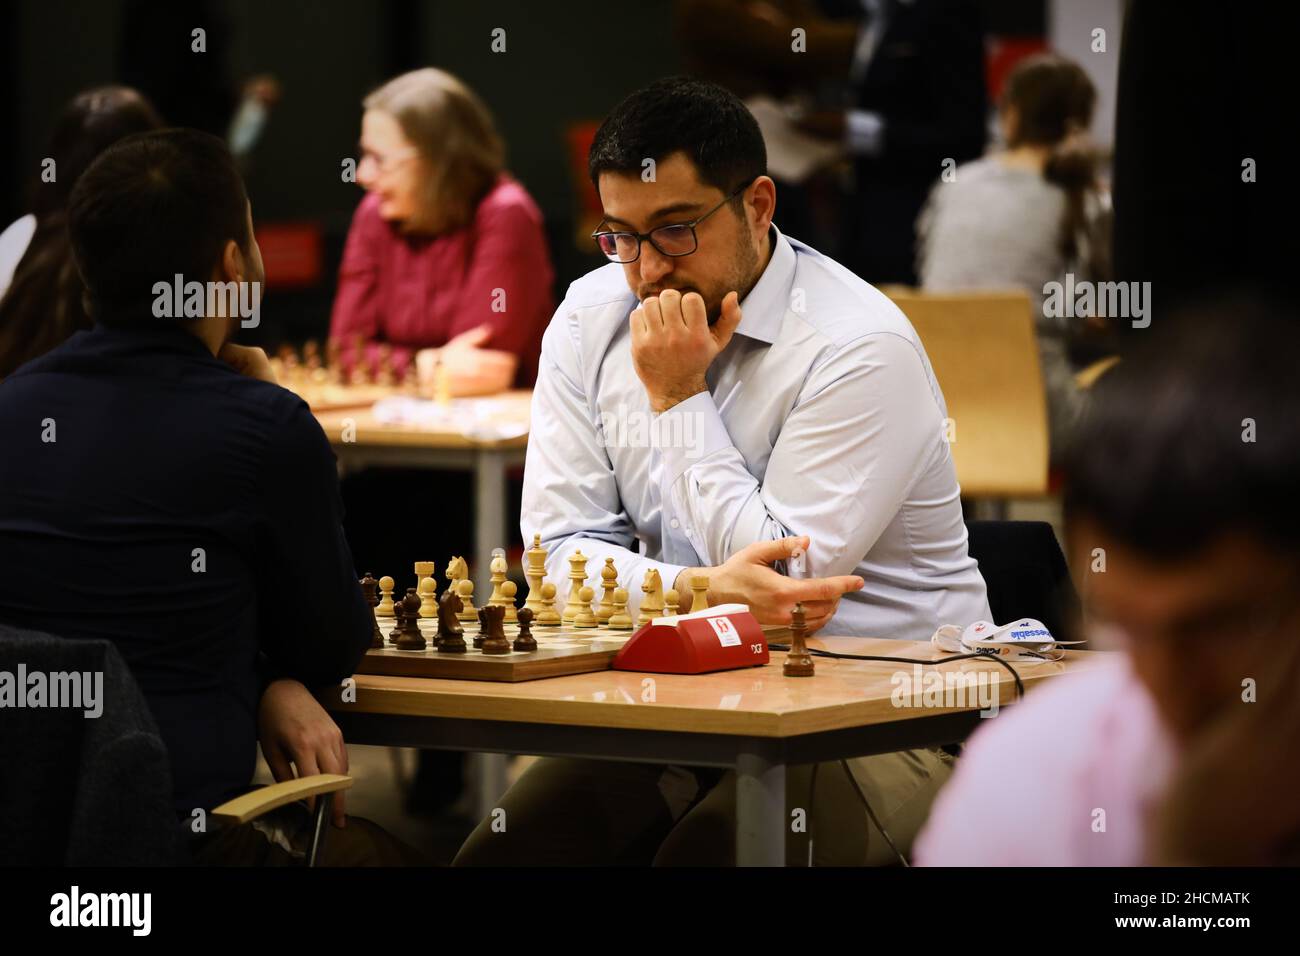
703,120
151,206
1160,461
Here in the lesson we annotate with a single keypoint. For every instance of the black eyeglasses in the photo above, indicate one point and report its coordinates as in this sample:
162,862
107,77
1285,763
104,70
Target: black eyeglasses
678,239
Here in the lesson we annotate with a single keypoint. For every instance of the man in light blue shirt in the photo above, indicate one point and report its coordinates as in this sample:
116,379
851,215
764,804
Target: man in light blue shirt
714,399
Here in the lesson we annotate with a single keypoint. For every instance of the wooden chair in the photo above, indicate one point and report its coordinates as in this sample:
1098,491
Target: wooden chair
251,805
984,351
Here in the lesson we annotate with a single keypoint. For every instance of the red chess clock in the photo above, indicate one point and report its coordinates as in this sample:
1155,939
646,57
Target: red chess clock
716,639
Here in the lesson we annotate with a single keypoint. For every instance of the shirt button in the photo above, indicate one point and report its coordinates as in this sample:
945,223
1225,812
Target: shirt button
675,523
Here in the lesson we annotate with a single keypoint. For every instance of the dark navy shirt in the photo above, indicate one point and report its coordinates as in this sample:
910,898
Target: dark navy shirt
151,495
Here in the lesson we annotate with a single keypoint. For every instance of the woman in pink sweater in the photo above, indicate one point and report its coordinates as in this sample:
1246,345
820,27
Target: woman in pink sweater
446,260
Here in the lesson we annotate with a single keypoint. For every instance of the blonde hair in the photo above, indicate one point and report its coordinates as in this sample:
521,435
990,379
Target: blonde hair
455,135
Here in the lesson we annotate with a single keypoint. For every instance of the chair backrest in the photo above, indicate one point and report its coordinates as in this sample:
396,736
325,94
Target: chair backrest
1026,574
984,352
76,789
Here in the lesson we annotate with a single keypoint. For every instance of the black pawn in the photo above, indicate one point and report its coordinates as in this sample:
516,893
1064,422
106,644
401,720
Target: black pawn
525,641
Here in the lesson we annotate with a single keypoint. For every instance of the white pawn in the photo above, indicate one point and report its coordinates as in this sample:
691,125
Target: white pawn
385,607
508,591
620,620
585,617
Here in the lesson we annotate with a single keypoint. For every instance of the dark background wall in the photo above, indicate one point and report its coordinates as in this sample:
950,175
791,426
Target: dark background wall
565,62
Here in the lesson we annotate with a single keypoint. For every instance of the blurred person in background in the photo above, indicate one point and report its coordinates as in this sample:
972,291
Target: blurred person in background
446,260
916,99
40,289
1027,214
446,269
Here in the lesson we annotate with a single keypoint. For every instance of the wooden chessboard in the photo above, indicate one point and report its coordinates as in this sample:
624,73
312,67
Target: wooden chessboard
324,396
560,651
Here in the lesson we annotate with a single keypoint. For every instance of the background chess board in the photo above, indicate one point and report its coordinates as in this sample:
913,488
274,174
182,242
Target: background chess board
560,651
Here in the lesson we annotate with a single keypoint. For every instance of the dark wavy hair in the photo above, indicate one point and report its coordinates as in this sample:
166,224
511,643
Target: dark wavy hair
43,305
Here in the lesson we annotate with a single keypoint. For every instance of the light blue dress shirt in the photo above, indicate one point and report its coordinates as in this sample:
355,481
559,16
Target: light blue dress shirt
823,418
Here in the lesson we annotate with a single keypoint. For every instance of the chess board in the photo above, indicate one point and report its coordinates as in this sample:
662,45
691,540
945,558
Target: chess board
560,651
324,396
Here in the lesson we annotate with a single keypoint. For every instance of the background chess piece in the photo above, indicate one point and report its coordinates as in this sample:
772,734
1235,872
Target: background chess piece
494,638
548,616
481,636
499,569
385,608
456,572
428,592
525,641
670,603
653,602
608,584
699,592
468,612
370,589
398,612
620,620
577,580
410,638
451,637
585,616
798,663
423,569
534,573
508,591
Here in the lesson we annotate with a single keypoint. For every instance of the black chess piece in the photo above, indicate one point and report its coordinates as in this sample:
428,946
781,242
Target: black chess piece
482,628
370,589
451,637
493,617
410,638
525,641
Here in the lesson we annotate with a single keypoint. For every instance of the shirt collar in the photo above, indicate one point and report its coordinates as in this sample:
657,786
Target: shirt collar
763,310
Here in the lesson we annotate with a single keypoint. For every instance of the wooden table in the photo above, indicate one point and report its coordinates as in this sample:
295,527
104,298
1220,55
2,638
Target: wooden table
486,445
755,721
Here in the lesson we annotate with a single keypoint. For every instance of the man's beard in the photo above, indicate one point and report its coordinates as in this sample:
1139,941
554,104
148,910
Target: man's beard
740,279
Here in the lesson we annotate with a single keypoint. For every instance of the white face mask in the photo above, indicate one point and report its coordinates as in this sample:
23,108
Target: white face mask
1025,640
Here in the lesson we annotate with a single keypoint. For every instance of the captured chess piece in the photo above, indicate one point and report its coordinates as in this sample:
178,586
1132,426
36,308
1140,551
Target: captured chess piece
451,637
468,613
608,584
798,663
494,638
653,602
670,603
534,572
699,592
508,591
385,607
620,620
548,616
585,616
410,638
525,641
370,589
